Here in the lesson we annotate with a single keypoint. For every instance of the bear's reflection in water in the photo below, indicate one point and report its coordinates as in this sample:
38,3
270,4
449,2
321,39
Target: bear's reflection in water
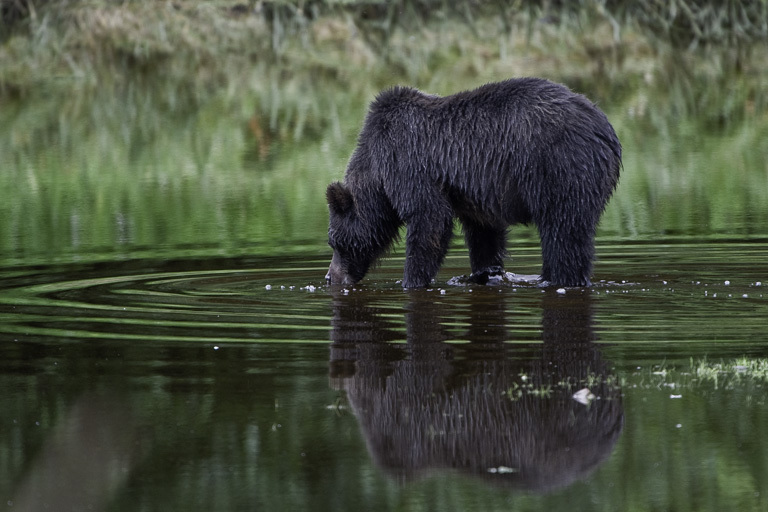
504,412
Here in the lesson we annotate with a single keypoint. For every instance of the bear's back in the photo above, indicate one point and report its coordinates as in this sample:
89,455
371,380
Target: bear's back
514,102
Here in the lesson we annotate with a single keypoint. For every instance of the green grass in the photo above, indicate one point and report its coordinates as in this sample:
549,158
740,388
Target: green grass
745,374
731,373
131,124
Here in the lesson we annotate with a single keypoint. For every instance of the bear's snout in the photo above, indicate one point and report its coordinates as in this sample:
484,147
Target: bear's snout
336,273
335,276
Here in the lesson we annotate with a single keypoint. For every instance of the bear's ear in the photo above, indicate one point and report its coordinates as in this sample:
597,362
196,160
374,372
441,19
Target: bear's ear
339,198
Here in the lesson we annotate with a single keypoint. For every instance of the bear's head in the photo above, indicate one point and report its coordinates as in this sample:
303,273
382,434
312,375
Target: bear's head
352,253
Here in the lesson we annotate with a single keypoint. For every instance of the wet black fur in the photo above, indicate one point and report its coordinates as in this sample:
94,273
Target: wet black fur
519,151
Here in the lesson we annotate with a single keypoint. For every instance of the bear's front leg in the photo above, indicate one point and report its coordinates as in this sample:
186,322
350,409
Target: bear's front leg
487,249
426,244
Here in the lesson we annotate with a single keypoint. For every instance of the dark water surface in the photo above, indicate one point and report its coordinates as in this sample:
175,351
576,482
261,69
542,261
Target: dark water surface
247,384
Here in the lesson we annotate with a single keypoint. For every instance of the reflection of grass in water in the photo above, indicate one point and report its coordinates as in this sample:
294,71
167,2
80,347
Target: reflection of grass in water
743,373
728,374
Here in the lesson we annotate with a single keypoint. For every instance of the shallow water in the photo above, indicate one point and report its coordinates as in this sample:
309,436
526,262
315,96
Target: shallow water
243,383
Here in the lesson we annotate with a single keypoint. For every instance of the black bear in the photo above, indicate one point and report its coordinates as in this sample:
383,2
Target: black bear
518,151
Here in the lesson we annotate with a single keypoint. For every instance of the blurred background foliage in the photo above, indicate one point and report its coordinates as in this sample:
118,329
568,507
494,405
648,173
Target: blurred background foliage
215,125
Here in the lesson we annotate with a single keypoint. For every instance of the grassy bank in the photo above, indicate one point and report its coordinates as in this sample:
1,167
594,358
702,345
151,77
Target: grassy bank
208,42
689,60
136,123
682,53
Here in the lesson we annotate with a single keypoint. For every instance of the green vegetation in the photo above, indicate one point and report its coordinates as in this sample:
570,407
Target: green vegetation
729,374
132,125
745,375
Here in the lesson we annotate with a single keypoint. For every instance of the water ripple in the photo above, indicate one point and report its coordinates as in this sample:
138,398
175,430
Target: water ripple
213,305
643,293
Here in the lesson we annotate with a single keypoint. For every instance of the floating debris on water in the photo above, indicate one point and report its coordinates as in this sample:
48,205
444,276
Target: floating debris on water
584,396
503,470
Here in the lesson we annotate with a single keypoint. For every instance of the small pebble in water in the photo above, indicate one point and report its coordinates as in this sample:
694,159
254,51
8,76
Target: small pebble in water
310,288
503,470
727,283
442,292
758,283
561,291
268,287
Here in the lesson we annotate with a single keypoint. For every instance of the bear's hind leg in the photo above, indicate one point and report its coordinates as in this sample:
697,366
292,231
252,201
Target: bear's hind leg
426,245
487,248
567,252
